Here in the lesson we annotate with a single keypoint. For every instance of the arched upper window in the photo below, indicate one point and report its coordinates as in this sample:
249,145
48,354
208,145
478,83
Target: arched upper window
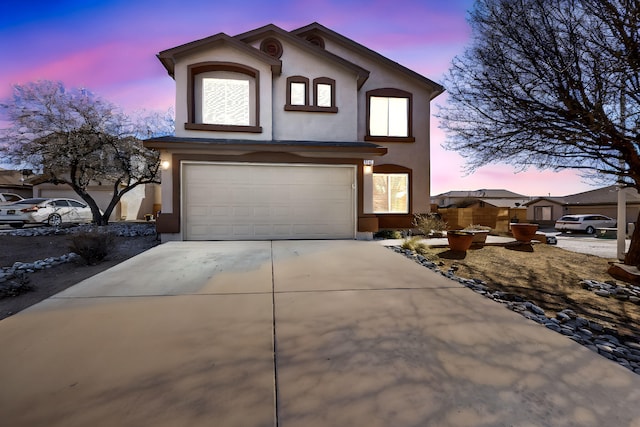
223,97
297,93
324,94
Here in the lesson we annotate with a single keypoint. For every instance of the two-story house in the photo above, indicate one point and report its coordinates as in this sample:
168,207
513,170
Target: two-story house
300,134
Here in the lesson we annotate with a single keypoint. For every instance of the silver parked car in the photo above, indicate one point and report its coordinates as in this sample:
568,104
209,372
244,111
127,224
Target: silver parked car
8,198
587,223
53,212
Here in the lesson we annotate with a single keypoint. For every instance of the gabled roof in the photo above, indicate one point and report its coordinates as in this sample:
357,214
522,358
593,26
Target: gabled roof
505,203
273,30
556,200
298,37
168,57
318,29
483,194
601,196
10,177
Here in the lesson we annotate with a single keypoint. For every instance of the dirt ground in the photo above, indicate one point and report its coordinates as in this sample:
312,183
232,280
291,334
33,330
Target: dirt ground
547,276
56,279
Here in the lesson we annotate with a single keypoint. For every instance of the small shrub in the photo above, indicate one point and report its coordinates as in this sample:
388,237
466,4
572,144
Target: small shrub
388,234
415,244
92,246
476,227
429,223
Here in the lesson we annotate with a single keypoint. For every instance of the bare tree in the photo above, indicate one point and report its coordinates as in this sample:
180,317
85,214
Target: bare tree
75,138
551,84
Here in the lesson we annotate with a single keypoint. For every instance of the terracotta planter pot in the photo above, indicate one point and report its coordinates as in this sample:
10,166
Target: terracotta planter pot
524,232
459,241
479,236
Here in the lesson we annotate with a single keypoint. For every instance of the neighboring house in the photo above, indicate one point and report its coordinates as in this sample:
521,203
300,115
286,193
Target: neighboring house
282,135
602,201
14,181
546,210
479,198
133,205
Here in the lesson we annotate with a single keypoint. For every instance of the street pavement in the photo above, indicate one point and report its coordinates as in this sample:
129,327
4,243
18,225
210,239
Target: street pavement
587,244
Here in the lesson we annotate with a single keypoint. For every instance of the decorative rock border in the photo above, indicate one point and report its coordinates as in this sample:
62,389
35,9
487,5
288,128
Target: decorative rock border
119,229
599,338
629,293
19,269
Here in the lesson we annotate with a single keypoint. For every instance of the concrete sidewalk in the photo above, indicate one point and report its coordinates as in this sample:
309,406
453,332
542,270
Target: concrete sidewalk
294,333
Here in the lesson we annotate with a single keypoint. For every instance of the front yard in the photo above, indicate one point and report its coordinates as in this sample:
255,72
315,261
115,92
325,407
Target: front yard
35,284
555,287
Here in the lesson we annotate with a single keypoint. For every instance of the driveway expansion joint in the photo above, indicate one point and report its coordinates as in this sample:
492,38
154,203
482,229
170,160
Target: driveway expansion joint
275,350
329,291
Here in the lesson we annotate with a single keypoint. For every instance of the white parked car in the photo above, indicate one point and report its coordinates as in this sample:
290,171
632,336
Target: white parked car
587,223
45,211
8,198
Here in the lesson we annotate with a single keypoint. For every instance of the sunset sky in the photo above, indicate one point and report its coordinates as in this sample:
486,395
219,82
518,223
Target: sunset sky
109,47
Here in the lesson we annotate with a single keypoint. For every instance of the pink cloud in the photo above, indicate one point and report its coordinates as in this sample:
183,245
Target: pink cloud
449,172
102,63
96,69
149,94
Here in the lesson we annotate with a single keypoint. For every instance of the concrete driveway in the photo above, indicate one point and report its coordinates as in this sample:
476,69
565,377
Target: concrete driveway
294,333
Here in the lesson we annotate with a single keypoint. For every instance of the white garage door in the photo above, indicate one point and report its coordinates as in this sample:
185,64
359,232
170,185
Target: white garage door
267,201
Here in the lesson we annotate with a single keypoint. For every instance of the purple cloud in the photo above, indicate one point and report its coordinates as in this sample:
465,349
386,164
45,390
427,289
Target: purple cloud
109,47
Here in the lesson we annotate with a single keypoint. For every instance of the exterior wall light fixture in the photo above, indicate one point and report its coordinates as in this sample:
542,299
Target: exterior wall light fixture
368,166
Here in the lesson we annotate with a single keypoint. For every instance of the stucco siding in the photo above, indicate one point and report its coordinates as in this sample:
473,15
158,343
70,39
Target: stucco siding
223,54
414,155
314,126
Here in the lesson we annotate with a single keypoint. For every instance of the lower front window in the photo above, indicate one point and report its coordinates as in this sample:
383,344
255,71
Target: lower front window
391,193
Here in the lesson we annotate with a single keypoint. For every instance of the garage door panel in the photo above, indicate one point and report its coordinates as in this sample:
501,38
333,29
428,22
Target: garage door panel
263,230
219,211
243,230
200,210
248,201
281,229
273,231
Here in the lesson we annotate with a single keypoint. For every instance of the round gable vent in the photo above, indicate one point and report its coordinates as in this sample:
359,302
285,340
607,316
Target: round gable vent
271,47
